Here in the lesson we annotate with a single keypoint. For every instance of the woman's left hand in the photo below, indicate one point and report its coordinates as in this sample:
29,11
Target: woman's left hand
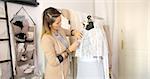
77,34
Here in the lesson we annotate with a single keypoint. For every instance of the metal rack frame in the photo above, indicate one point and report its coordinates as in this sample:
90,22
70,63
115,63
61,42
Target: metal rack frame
7,39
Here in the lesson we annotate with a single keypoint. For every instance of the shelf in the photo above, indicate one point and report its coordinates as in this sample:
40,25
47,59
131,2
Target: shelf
4,39
5,61
3,18
24,2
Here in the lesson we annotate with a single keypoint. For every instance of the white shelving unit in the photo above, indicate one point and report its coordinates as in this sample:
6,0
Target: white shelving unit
6,64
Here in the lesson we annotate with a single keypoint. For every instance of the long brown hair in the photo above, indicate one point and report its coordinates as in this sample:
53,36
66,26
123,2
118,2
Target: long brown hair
49,16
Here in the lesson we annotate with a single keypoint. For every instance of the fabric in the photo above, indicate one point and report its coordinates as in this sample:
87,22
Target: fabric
29,69
20,37
77,19
25,24
109,40
16,29
20,51
30,50
91,43
18,18
65,22
65,13
62,39
21,47
94,70
25,54
30,36
94,44
51,47
19,24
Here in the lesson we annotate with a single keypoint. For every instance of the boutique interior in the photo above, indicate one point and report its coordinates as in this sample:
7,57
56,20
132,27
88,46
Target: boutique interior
115,42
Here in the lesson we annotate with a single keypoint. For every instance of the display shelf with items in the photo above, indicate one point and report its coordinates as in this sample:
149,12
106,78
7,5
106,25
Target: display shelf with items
24,38
6,63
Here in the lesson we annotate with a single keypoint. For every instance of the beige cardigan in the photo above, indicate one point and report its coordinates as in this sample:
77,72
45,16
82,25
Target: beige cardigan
51,47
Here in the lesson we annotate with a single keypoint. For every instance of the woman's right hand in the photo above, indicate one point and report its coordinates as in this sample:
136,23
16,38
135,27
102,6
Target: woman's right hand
74,46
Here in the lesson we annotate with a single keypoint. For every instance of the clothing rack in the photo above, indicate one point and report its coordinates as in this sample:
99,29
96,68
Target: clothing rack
97,17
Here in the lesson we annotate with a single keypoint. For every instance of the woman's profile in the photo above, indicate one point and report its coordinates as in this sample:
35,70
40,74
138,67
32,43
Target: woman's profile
55,45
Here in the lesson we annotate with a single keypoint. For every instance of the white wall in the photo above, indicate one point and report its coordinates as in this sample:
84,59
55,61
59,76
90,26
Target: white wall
79,5
115,38
133,20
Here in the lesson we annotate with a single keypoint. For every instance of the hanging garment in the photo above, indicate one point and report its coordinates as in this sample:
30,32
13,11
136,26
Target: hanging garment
90,44
93,47
83,59
65,22
90,70
76,20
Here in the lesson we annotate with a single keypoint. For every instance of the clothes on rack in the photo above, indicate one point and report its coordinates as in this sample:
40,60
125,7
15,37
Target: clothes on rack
109,40
93,47
65,22
75,20
91,43
90,70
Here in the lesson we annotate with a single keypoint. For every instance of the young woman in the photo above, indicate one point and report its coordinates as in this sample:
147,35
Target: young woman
55,44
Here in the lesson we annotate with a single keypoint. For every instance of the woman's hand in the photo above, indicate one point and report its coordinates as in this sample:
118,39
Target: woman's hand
77,34
74,46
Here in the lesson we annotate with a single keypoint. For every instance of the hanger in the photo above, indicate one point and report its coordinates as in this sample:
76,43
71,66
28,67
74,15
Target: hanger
22,8
97,17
